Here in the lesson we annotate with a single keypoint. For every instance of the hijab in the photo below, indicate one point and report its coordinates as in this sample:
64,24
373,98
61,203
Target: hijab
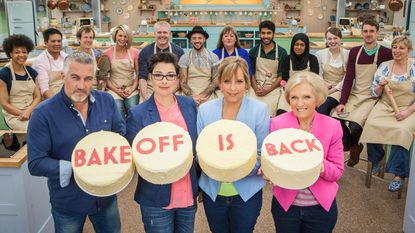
299,62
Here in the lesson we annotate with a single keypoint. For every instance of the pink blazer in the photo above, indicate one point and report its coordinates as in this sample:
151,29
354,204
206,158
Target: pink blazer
328,130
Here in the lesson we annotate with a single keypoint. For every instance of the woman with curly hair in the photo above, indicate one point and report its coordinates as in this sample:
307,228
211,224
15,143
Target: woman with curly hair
19,91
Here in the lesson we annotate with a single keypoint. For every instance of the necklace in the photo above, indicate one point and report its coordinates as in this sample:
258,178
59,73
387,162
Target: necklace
306,127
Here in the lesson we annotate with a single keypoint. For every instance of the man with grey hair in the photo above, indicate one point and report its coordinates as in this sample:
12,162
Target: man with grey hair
162,44
55,128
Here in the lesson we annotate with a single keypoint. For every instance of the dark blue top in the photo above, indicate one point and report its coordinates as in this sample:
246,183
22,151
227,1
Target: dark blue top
148,51
145,114
6,76
242,53
54,130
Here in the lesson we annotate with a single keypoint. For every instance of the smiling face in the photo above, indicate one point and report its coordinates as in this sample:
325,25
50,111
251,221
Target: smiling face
86,41
162,35
370,34
266,36
164,88
54,44
400,52
303,101
228,40
333,41
299,47
78,81
19,55
121,38
197,40
233,88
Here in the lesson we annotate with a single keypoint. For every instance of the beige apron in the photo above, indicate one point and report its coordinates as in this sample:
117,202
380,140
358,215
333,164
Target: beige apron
282,103
334,75
21,96
381,126
262,66
55,80
122,75
149,84
360,102
198,79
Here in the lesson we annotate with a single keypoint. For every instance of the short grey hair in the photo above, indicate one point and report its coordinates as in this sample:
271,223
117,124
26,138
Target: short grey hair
314,80
79,57
162,24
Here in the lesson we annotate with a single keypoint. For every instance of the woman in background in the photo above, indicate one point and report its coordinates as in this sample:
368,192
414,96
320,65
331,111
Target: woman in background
19,91
123,83
299,59
333,63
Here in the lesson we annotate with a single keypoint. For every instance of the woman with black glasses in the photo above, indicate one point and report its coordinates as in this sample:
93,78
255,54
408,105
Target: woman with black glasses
170,207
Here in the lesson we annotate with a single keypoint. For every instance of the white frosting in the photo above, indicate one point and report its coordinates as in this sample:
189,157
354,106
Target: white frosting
223,161
98,174
168,165
292,158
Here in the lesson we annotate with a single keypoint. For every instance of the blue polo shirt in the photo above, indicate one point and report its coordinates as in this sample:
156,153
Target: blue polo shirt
54,130
242,53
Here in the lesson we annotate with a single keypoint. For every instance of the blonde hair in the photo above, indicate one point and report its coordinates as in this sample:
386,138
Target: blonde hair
127,32
312,79
230,66
404,40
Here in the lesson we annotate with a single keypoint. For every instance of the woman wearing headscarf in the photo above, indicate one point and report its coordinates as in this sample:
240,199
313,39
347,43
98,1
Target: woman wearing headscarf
122,84
299,59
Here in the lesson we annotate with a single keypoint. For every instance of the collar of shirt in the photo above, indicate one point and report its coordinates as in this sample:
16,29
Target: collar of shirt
62,55
370,52
271,51
159,50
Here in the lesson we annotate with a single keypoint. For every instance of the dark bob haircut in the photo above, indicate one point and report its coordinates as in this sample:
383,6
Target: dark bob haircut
17,40
168,58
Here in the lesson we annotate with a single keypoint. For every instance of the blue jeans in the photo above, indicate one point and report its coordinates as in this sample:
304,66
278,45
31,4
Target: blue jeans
105,221
232,214
398,163
126,104
310,219
160,220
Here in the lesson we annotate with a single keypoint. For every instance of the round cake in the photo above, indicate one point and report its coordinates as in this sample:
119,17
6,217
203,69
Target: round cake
227,150
292,158
162,153
102,163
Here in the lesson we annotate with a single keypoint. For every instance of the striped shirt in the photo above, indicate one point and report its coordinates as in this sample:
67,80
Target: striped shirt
305,198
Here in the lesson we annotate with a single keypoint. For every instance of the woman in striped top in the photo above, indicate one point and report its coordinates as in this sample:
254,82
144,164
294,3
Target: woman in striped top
312,209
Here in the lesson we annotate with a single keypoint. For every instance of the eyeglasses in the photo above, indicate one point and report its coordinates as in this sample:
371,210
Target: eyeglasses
160,77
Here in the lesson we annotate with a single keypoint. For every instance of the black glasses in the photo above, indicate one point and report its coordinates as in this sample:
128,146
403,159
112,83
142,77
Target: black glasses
160,77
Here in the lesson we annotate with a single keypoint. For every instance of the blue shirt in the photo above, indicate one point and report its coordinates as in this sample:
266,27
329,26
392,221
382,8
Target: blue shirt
148,51
54,129
256,116
241,52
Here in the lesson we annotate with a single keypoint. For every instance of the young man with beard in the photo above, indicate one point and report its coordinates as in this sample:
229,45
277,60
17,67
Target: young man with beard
49,64
199,68
266,59
162,44
55,128
86,36
356,101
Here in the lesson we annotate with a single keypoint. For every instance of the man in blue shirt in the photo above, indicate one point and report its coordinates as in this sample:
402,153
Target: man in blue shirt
162,44
55,128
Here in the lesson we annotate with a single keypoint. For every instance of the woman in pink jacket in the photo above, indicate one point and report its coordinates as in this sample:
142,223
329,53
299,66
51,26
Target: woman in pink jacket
312,209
